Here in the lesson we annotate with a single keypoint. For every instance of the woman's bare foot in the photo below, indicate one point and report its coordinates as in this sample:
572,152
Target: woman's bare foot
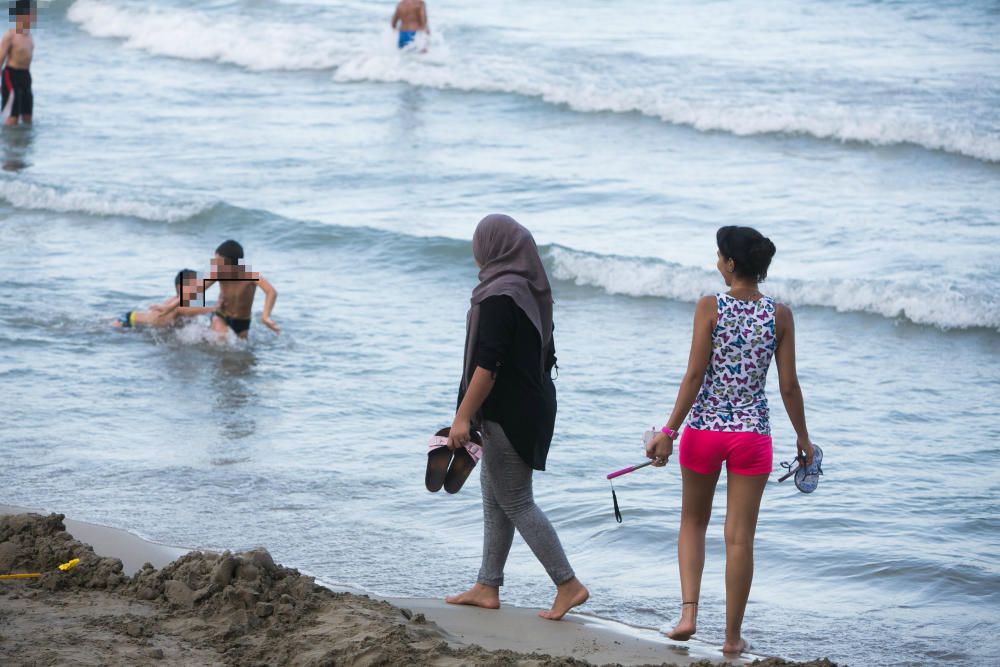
568,595
480,595
683,631
687,626
735,648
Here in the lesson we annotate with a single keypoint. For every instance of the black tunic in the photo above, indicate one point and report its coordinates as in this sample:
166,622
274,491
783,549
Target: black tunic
523,400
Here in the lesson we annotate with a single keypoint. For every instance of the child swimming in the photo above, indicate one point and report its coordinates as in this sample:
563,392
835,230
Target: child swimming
168,313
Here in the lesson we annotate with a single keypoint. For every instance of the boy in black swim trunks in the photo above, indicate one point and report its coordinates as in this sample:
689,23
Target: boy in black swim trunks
237,287
168,313
16,50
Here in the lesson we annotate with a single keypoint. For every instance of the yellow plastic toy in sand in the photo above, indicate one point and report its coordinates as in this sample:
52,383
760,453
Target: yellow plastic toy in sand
70,565
65,567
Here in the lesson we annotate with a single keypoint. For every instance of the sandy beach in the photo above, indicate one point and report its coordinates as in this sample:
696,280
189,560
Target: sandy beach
130,601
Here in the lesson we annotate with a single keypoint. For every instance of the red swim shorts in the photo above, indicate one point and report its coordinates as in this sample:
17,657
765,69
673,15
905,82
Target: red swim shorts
744,453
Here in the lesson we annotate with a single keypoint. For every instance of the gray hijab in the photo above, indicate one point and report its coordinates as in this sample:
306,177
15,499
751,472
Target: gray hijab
510,265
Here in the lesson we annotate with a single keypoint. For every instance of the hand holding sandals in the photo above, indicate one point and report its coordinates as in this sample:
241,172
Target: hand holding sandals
449,466
460,432
805,449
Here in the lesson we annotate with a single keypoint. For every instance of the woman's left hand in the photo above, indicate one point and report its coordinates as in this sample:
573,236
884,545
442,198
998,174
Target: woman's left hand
659,449
459,432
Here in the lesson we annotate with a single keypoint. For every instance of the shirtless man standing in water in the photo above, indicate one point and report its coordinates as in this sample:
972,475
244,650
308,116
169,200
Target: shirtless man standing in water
237,287
16,49
409,19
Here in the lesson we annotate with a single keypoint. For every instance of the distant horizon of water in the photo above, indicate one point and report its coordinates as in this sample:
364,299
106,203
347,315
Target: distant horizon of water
862,137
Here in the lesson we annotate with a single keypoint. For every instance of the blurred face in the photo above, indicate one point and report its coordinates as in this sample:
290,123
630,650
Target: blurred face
221,269
190,288
24,21
725,267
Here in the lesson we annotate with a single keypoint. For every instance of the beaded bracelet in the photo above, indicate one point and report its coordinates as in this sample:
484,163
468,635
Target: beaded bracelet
670,432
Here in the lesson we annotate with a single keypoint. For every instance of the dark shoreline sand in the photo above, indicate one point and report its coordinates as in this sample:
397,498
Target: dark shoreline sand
243,609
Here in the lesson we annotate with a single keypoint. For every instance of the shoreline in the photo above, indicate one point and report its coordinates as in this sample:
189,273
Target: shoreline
510,629
133,551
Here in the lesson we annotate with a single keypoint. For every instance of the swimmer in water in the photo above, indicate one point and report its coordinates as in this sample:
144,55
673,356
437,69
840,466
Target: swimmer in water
17,47
409,19
237,287
172,311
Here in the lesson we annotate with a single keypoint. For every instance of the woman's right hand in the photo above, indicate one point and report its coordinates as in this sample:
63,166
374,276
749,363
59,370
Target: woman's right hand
659,449
459,433
805,449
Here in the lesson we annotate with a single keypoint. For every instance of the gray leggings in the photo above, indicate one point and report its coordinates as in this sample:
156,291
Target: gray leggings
508,503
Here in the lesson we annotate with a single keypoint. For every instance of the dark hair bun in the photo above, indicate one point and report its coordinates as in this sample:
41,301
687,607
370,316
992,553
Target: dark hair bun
763,250
750,250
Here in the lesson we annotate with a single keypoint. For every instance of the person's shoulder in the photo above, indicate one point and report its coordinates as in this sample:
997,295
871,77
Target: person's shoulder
707,303
782,314
708,299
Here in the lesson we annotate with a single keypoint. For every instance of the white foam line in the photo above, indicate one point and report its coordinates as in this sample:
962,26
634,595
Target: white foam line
194,35
31,196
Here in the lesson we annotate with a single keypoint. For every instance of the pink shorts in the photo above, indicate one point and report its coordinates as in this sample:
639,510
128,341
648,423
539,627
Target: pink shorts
744,453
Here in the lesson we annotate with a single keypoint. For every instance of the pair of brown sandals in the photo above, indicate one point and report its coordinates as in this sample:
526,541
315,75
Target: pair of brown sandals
449,468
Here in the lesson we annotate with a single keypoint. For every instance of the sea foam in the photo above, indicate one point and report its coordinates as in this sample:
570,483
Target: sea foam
935,305
194,35
35,197
829,121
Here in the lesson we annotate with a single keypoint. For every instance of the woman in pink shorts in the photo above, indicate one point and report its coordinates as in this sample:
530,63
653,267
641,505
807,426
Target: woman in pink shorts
736,334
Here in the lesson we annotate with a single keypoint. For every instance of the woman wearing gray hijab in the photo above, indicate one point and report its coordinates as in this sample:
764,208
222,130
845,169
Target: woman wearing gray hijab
507,394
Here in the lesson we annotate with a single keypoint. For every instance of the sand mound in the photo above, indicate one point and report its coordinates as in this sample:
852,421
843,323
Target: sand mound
33,543
237,593
249,587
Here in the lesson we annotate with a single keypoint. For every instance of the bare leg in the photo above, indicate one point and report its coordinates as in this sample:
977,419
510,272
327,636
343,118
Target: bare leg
26,119
742,506
12,120
218,325
696,511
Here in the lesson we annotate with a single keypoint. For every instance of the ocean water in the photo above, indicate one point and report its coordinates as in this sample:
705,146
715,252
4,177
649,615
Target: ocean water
863,137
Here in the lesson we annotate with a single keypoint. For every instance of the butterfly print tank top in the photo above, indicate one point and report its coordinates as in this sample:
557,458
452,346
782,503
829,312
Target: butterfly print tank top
732,395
